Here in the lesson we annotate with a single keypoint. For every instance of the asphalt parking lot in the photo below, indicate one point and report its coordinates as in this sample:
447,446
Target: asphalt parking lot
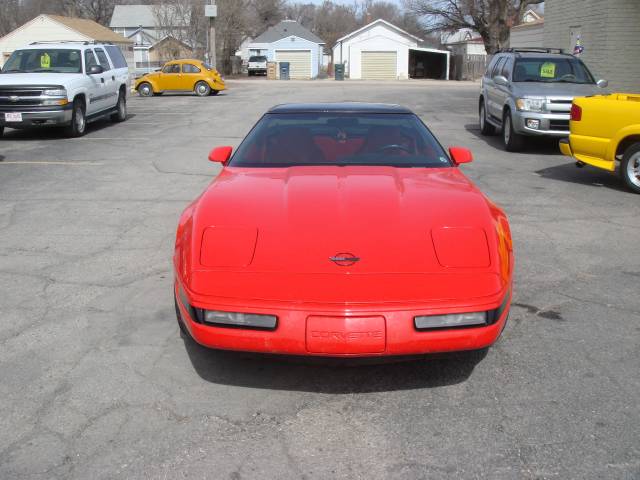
95,381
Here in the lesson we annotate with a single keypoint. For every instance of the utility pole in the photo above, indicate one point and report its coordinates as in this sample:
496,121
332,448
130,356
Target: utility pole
211,12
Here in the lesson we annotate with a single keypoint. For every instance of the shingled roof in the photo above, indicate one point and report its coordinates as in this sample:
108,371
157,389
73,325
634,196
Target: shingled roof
284,29
89,28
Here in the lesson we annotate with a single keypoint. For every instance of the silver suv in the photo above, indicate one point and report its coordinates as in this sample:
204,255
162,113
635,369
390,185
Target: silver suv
528,92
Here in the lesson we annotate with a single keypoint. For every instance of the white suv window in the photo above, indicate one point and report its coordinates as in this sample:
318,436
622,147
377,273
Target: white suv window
102,58
117,58
89,60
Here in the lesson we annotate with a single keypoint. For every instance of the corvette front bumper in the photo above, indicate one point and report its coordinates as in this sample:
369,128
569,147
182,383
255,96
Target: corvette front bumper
343,332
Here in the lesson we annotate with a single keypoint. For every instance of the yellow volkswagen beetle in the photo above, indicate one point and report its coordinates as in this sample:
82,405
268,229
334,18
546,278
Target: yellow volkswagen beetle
182,75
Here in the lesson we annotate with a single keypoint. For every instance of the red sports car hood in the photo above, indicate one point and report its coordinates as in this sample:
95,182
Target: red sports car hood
419,235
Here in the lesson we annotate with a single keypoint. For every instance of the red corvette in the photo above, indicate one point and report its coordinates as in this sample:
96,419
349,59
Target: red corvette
342,230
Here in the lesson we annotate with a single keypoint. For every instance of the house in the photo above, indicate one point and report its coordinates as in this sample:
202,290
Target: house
531,16
606,36
529,33
464,42
382,51
158,32
47,28
243,49
288,41
468,55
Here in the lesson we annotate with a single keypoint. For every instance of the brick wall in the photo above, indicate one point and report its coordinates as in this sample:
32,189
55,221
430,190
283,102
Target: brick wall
610,34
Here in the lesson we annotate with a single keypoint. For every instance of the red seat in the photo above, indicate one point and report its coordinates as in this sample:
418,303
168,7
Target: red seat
334,149
379,137
293,145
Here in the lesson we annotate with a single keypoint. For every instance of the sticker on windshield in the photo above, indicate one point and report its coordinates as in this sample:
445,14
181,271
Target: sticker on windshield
548,70
45,60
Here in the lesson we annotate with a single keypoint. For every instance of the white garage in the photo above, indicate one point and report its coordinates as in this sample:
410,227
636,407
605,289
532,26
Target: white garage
382,51
300,63
288,41
379,65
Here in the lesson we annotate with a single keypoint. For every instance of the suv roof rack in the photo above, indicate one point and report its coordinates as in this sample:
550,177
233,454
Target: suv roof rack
83,42
533,50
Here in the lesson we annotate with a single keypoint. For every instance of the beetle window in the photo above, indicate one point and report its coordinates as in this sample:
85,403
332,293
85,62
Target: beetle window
174,68
189,68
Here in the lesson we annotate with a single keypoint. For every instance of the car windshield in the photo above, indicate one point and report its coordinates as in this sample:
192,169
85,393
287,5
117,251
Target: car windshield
342,139
551,69
257,59
45,60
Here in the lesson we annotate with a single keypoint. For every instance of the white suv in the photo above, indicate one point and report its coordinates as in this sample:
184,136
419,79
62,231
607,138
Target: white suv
67,83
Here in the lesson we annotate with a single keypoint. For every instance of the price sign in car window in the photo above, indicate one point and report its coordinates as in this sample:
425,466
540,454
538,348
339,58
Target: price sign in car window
548,70
45,60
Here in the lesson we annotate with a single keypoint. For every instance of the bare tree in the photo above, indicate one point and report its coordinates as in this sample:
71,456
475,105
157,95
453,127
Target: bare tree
492,19
303,13
14,13
173,18
8,16
232,28
332,21
371,10
97,10
264,14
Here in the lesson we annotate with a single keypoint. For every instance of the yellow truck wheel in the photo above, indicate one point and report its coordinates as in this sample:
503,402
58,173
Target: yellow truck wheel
630,167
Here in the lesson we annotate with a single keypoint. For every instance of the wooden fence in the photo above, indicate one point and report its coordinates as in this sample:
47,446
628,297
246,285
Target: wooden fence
467,67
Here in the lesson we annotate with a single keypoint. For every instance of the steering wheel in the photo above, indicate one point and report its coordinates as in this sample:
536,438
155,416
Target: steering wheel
568,76
394,146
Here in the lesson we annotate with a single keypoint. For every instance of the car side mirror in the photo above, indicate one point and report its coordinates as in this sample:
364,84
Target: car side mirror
95,70
220,154
460,155
501,80
602,83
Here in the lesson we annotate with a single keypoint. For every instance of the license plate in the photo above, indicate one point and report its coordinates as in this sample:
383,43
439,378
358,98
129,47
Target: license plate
346,335
12,117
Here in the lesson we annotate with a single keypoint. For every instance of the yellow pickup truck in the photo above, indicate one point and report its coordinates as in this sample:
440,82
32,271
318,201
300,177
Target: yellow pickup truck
606,129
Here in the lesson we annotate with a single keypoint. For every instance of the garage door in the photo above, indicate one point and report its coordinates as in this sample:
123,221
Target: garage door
379,65
299,62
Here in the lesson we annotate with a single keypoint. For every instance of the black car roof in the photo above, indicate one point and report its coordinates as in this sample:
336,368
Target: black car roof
341,107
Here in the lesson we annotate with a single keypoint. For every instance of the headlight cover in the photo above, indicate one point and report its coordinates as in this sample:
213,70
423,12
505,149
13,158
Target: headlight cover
453,320
241,320
462,320
531,104
55,92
